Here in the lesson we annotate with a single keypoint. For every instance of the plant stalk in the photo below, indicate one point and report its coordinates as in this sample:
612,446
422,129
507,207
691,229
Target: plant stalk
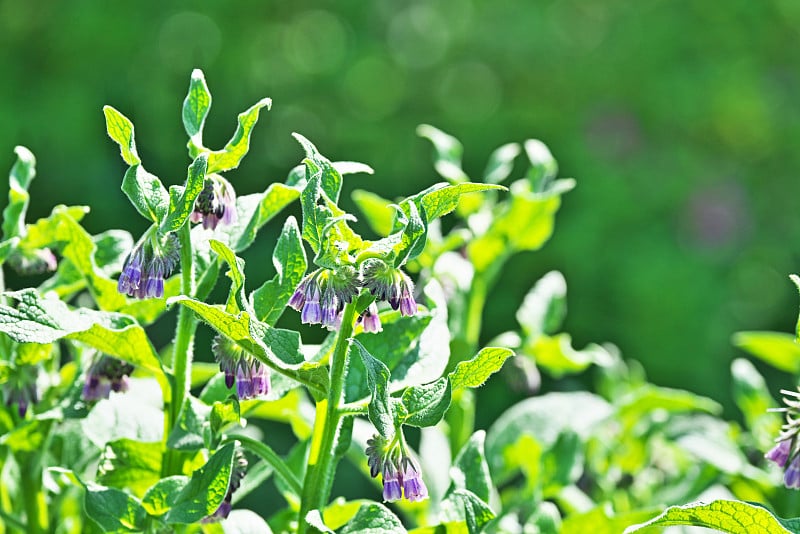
321,459
183,348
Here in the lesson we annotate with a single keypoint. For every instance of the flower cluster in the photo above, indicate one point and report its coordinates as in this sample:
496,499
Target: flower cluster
320,297
107,374
216,203
20,388
148,265
33,261
225,507
400,471
251,376
785,453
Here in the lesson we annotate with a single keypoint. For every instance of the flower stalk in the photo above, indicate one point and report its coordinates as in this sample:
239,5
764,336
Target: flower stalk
321,461
182,350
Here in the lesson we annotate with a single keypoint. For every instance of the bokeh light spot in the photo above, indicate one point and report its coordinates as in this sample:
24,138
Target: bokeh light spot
316,42
469,92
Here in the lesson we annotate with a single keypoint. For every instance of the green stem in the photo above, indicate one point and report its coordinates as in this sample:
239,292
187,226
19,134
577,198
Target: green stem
182,350
272,458
32,495
321,458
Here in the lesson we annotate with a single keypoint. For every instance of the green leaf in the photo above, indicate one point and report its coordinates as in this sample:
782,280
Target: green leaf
253,212
146,193
415,349
330,179
470,470
380,409
501,163
231,155
752,396
599,520
181,198
289,259
113,510
120,130
477,512
647,398
40,320
473,373
236,298
377,211
62,229
426,405
440,200
191,431
734,517
543,166
206,489
195,109
130,416
448,153
557,356
161,496
775,348
545,305
373,518
524,223
314,519
544,418
129,464
245,522
22,173
279,349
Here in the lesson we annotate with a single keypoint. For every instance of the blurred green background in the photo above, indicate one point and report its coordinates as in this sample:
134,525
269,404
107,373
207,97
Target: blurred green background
679,119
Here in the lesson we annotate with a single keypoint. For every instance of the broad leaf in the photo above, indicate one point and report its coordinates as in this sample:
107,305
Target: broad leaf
380,407
129,464
544,306
231,155
473,373
22,173
775,348
195,110
206,489
448,153
146,193
734,517
160,497
120,130
373,518
426,405
501,163
181,198
289,259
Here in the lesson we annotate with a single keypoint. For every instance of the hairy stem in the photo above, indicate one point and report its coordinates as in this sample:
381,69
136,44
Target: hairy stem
35,503
182,350
321,458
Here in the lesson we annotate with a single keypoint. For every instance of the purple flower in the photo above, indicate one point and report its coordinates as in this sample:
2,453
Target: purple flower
791,478
20,388
413,485
780,452
389,284
33,261
391,483
147,266
107,374
251,376
400,471
216,203
320,296
370,320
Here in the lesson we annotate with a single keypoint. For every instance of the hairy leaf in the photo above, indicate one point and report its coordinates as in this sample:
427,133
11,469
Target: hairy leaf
231,155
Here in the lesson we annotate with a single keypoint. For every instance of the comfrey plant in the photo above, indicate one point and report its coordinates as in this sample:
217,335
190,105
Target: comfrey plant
103,431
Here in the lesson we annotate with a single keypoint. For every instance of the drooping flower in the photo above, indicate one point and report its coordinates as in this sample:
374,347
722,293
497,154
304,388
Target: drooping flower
148,265
107,374
786,453
251,376
216,203
389,284
33,261
238,473
20,388
370,320
320,296
399,470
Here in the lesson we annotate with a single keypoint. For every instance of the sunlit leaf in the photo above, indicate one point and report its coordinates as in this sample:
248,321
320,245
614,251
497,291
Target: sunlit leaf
231,155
